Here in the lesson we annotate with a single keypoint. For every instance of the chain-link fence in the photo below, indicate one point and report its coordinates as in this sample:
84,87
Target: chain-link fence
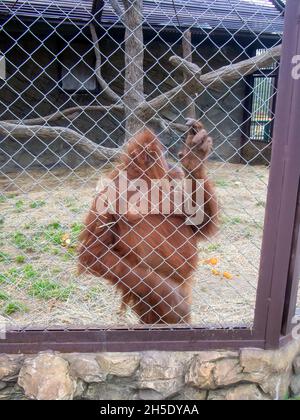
77,80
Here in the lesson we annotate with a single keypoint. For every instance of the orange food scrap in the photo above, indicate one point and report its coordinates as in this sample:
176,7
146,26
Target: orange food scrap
65,240
211,261
215,272
227,275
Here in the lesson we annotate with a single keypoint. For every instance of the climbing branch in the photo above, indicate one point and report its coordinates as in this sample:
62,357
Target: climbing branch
189,70
25,132
195,85
117,8
106,89
142,110
69,114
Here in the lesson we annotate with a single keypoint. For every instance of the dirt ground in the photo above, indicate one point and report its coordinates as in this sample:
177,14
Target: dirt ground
41,215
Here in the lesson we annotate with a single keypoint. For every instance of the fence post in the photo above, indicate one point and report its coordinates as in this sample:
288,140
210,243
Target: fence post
283,190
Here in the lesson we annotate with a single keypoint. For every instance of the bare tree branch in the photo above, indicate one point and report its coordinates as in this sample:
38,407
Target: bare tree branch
103,84
117,8
25,132
144,111
194,86
69,113
189,69
166,125
241,69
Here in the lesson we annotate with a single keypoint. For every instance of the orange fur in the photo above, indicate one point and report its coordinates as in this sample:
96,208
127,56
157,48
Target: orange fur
151,259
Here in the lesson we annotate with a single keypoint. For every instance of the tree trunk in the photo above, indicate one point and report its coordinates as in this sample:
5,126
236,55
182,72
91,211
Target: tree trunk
134,62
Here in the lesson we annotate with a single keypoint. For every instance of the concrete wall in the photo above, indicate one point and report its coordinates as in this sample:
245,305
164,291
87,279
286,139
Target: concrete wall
249,374
33,89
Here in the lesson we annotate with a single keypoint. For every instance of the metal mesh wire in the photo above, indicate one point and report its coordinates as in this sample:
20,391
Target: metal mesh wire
67,101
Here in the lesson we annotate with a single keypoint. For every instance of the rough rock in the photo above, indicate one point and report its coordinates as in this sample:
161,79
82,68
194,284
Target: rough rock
201,375
163,372
86,368
110,391
239,393
119,364
81,388
189,393
47,377
10,367
277,385
228,372
259,364
149,395
271,369
12,392
296,365
201,371
295,385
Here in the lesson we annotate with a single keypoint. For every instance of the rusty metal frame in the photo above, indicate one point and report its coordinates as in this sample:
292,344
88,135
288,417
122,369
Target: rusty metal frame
277,279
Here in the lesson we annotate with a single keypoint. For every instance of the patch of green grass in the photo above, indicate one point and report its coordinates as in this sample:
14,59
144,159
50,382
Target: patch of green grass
37,204
3,295
12,307
95,291
55,251
72,204
47,289
3,199
19,205
69,255
28,226
232,220
2,220
10,276
75,210
54,232
20,259
56,270
4,257
2,278
222,183
70,201
22,276
213,247
29,272
235,220
76,228
22,241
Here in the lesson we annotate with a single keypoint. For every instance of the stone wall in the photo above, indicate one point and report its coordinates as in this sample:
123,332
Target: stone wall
250,374
33,89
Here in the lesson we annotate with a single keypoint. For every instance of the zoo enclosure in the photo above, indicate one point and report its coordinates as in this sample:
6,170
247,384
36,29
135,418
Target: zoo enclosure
278,280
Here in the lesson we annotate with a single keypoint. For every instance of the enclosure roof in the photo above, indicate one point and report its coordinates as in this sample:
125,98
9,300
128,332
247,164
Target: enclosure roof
259,16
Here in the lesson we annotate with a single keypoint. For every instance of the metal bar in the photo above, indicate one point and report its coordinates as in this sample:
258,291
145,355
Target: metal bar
282,194
294,276
32,341
90,339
